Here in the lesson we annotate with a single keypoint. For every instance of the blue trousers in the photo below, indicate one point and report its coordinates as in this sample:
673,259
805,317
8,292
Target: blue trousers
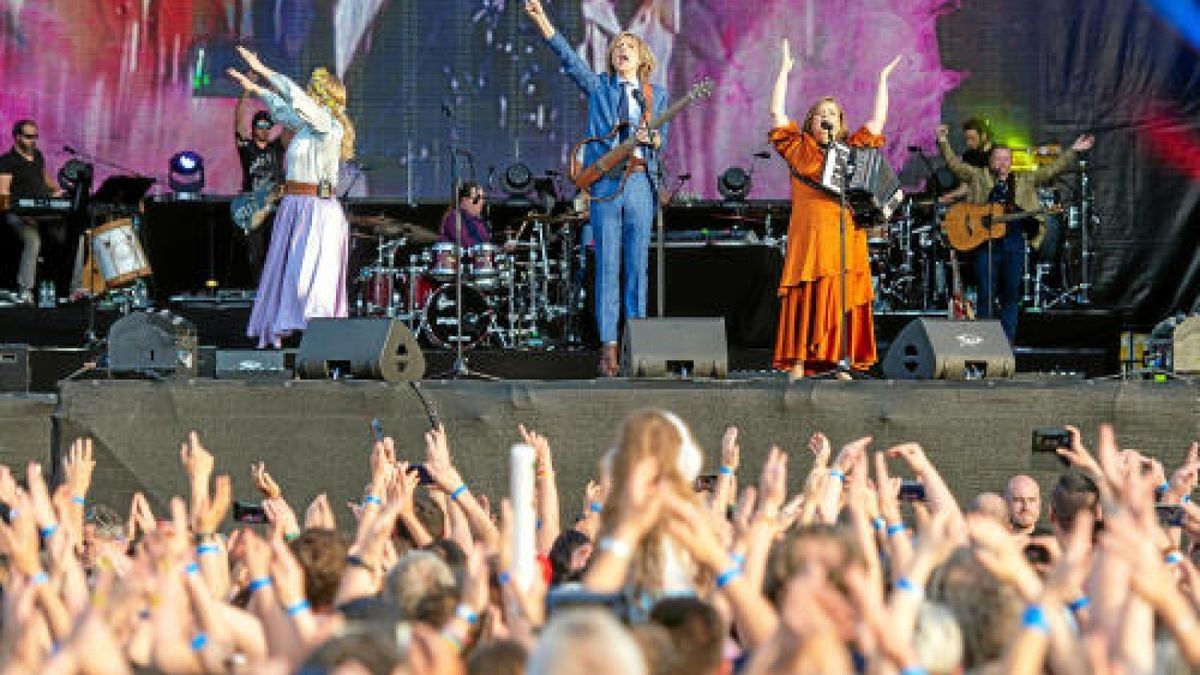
621,228
1001,284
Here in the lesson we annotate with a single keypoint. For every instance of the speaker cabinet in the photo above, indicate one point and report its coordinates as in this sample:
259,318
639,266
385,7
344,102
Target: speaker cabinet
254,364
1185,346
682,347
940,349
363,349
14,367
158,343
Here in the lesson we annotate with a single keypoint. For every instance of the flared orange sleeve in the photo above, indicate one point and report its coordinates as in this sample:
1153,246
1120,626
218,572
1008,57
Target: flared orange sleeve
810,322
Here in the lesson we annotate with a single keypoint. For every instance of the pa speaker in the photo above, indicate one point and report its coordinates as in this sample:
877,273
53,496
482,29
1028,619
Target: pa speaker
940,349
683,347
14,367
364,349
158,343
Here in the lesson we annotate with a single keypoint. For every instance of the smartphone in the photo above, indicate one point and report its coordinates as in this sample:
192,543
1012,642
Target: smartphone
568,597
249,512
912,491
1170,515
422,473
1049,439
377,429
1037,554
705,483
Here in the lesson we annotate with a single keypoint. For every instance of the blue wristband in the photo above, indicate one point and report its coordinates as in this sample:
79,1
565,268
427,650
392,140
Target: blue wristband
39,578
301,606
192,568
466,614
835,473
725,470
372,500
596,507
503,578
458,492
895,529
879,524
905,584
78,500
726,577
1034,617
1186,499
738,559
914,670
206,549
256,584
1166,485
1174,558
1079,603
48,531
199,641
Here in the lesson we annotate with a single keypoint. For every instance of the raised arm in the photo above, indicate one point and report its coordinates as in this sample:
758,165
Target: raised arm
960,168
572,63
1067,159
779,93
537,14
879,116
240,130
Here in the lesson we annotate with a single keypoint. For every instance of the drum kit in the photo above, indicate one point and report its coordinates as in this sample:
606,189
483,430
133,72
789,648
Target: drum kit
910,255
524,293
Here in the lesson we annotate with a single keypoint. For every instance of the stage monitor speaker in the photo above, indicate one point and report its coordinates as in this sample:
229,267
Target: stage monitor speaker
1185,346
14,367
941,349
363,349
693,347
153,343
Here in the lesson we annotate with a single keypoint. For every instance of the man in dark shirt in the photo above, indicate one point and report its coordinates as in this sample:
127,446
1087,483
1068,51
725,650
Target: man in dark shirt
471,199
978,136
23,175
262,169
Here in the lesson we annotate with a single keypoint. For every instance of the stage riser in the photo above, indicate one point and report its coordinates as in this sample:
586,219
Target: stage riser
315,436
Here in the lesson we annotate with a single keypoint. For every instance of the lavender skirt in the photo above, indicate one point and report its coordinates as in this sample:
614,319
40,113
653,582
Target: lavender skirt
304,276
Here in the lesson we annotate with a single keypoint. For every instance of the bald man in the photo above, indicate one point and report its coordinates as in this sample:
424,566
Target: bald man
1024,499
991,505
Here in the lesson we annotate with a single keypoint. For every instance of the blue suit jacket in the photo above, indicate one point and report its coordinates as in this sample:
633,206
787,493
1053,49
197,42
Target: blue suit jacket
604,94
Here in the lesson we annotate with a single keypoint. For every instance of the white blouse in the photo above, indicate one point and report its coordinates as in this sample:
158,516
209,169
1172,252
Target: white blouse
314,151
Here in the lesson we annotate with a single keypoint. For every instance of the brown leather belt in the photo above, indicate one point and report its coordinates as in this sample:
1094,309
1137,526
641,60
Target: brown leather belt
636,164
295,188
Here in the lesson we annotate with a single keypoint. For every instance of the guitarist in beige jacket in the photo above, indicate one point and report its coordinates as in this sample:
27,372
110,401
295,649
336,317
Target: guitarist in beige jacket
998,262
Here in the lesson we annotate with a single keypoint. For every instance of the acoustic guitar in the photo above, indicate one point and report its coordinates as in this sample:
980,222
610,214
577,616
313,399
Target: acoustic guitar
969,225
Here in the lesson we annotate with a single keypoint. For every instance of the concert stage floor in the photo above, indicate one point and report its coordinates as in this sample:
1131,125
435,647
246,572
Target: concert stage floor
315,434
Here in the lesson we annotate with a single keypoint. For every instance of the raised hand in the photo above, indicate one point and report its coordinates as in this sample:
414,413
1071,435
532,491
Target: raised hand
852,455
197,463
264,482
772,485
1083,143
887,70
541,448
282,517
943,132
251,59
319,515
78,467
535,10
210,512
731,452
141,518
786,62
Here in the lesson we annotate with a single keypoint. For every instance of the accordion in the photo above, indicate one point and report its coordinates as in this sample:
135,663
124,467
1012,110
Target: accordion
872,189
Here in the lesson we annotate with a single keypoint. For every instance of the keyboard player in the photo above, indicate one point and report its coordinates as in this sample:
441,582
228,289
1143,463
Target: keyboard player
23,175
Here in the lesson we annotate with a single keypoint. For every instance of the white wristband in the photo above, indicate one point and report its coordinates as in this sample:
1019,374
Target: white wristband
616,547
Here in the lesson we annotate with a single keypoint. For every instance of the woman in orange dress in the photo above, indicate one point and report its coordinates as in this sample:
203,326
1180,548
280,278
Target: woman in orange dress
809,338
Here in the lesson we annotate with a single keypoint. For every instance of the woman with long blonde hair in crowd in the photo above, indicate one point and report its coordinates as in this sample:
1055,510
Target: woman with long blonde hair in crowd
304,276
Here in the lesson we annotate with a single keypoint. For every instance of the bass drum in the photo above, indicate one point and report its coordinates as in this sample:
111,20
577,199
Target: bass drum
441,317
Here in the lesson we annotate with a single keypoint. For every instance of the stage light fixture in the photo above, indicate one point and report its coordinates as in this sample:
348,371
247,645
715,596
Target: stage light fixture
734,184
517,180
185,174
75,174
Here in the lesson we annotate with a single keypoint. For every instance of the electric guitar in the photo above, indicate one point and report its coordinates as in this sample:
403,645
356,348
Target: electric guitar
960,308
250,209
969,225
585,177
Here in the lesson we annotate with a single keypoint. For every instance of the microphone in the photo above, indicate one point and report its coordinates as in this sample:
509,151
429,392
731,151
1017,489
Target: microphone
637,96
73,151
827,125
762,154
685,177
915,148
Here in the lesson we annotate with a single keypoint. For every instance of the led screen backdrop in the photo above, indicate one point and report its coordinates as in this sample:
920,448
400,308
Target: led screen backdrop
132,81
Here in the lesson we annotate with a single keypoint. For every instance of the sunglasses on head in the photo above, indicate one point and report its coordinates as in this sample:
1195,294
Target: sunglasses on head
262,124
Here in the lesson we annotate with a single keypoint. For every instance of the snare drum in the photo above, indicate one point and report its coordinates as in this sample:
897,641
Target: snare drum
117,253
443,260
484,264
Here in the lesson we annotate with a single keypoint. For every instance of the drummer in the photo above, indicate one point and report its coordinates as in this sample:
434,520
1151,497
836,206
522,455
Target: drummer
471,199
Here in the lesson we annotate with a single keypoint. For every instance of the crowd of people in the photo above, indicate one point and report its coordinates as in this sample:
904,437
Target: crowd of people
659,570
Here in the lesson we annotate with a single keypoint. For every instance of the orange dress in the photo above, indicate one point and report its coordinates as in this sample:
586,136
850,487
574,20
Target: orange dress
810,322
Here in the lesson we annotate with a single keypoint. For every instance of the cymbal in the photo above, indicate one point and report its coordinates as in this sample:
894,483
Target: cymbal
561,219
390,227
371,220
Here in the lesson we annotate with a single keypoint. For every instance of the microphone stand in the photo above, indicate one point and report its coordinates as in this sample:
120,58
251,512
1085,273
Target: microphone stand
460,368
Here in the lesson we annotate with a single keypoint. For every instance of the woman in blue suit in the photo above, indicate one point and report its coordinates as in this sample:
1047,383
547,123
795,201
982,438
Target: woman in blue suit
621,218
